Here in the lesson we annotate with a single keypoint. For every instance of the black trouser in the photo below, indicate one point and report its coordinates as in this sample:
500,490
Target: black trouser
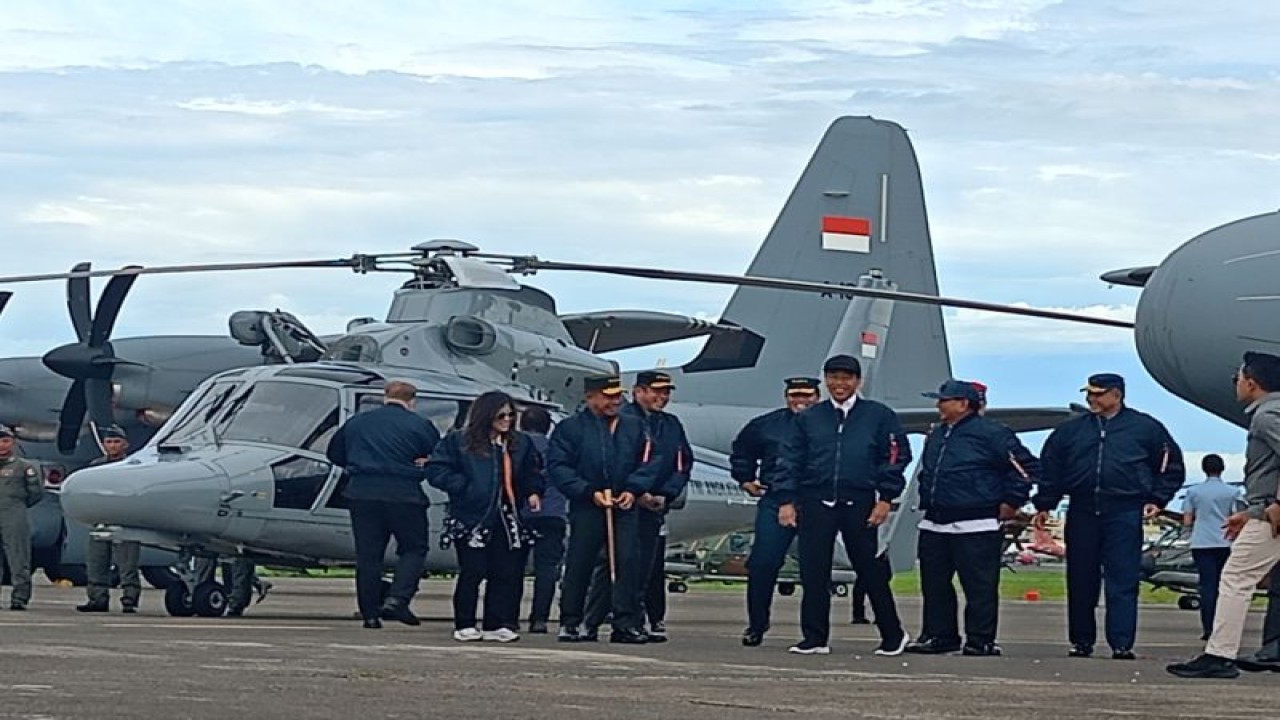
655,593
1271,624
769,548
652,599
587,541
548,558
1209,564
1106,544
819,526
975,557
373,524
501,569
859,591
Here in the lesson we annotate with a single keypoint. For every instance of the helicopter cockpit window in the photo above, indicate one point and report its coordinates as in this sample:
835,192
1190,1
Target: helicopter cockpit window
444,414
194,416
295,415
298,482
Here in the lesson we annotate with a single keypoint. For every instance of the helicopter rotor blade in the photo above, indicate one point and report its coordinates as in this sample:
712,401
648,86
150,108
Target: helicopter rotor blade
526,265
357,263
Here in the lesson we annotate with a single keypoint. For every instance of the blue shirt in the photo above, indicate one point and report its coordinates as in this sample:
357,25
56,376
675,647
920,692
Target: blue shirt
1212,501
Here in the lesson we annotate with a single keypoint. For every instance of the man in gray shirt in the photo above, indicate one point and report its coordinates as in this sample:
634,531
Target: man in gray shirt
1205,512
1254,530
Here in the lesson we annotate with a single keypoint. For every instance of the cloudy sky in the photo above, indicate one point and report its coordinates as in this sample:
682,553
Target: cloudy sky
1057,140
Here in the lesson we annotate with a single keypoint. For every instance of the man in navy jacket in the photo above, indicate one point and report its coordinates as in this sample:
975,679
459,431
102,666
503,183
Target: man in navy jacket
1117,465
841,468
973,472
383,452
593,451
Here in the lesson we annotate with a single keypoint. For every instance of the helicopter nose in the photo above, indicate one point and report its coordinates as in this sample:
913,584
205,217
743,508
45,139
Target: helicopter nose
176,496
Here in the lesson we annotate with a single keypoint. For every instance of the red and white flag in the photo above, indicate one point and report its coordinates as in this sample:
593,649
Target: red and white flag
870,345
846,234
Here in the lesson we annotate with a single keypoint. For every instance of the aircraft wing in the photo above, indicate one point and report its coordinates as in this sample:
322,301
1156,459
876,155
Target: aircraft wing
609,330
1027,419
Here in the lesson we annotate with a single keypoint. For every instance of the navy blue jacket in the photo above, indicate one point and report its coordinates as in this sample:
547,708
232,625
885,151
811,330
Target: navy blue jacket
1128,460
968,469
584,456
474,482
669,446
554,504
377,448
828,458
755,451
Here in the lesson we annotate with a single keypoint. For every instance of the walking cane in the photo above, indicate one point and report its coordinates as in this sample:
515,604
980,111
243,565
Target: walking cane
608,526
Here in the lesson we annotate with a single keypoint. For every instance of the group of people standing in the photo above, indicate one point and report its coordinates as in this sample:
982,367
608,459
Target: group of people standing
606,477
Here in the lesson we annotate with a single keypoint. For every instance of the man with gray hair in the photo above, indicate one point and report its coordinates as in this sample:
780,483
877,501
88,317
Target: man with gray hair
384,451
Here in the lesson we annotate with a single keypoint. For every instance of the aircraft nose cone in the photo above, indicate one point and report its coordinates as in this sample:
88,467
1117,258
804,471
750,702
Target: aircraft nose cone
180,496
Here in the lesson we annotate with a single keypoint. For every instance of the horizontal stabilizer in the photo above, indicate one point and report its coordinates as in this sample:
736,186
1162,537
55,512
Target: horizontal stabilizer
1029,419
609,330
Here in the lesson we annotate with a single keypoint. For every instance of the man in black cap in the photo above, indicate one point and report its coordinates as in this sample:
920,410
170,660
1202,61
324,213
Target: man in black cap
1118,466
666,440
101,554
602,462
753,462
841,468
973,471
20,488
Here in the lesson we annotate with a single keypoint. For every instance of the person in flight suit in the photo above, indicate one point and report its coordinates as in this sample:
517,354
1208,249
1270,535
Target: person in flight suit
600,460
101,554
841,468
974,471
753,461
385,451
1117,465
20,488
666,440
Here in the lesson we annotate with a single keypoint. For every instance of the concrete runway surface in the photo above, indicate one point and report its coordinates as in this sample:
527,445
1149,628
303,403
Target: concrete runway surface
301,654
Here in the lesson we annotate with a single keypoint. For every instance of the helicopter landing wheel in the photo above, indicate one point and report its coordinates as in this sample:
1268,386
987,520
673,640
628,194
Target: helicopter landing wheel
1188,602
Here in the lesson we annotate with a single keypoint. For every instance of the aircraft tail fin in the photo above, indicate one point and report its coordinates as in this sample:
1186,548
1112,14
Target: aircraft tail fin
856,217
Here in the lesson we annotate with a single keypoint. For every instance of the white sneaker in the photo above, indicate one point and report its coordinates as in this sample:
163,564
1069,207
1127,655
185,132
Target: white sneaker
468,635
894,650
502,635
806,649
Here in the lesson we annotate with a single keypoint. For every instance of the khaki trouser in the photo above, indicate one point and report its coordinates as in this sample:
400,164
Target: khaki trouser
1252,555
15,535
98,559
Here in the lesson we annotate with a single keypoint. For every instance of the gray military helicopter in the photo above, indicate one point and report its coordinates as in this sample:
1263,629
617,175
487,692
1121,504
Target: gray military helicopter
239,468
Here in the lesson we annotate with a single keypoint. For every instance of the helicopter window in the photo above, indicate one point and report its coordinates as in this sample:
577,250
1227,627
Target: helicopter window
444,414
194,416
298,482
291,414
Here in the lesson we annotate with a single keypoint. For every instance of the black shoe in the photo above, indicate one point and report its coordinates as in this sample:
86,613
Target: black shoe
987,649
860,621
1080,651
1257,662
372,624
892,646
93,607
569,633
235,612
399,611
17,606
589,635
1204,637
537,627
1206,666
751,638
133,610
1123,654
932,646
658,632
630,636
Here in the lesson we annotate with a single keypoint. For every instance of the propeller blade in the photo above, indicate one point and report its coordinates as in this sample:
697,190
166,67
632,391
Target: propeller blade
70,418
109,308
4,299
78,301
98,394
358,263
533,264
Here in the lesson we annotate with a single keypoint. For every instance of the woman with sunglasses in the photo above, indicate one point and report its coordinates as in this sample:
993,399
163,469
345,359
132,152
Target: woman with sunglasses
489,470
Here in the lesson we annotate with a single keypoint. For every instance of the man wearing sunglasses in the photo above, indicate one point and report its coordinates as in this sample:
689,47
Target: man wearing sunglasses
1118,466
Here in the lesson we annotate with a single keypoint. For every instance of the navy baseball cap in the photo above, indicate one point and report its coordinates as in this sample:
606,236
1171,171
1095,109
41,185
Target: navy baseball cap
114,431
607,384
6,431
843,363
955,390
801,385
1103,382
654,379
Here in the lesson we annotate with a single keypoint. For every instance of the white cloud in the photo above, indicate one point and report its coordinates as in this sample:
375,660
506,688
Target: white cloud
978,332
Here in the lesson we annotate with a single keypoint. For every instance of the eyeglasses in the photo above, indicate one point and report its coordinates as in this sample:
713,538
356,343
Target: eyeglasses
1096,393
505,415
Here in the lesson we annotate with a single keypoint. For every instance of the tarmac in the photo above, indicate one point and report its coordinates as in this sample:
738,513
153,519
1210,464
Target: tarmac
301,653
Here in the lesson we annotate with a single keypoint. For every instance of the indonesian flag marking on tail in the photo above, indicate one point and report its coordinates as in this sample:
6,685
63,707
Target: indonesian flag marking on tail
846,234
870,345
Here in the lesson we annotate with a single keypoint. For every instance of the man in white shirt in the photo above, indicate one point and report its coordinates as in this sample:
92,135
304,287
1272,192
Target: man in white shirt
1206,510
